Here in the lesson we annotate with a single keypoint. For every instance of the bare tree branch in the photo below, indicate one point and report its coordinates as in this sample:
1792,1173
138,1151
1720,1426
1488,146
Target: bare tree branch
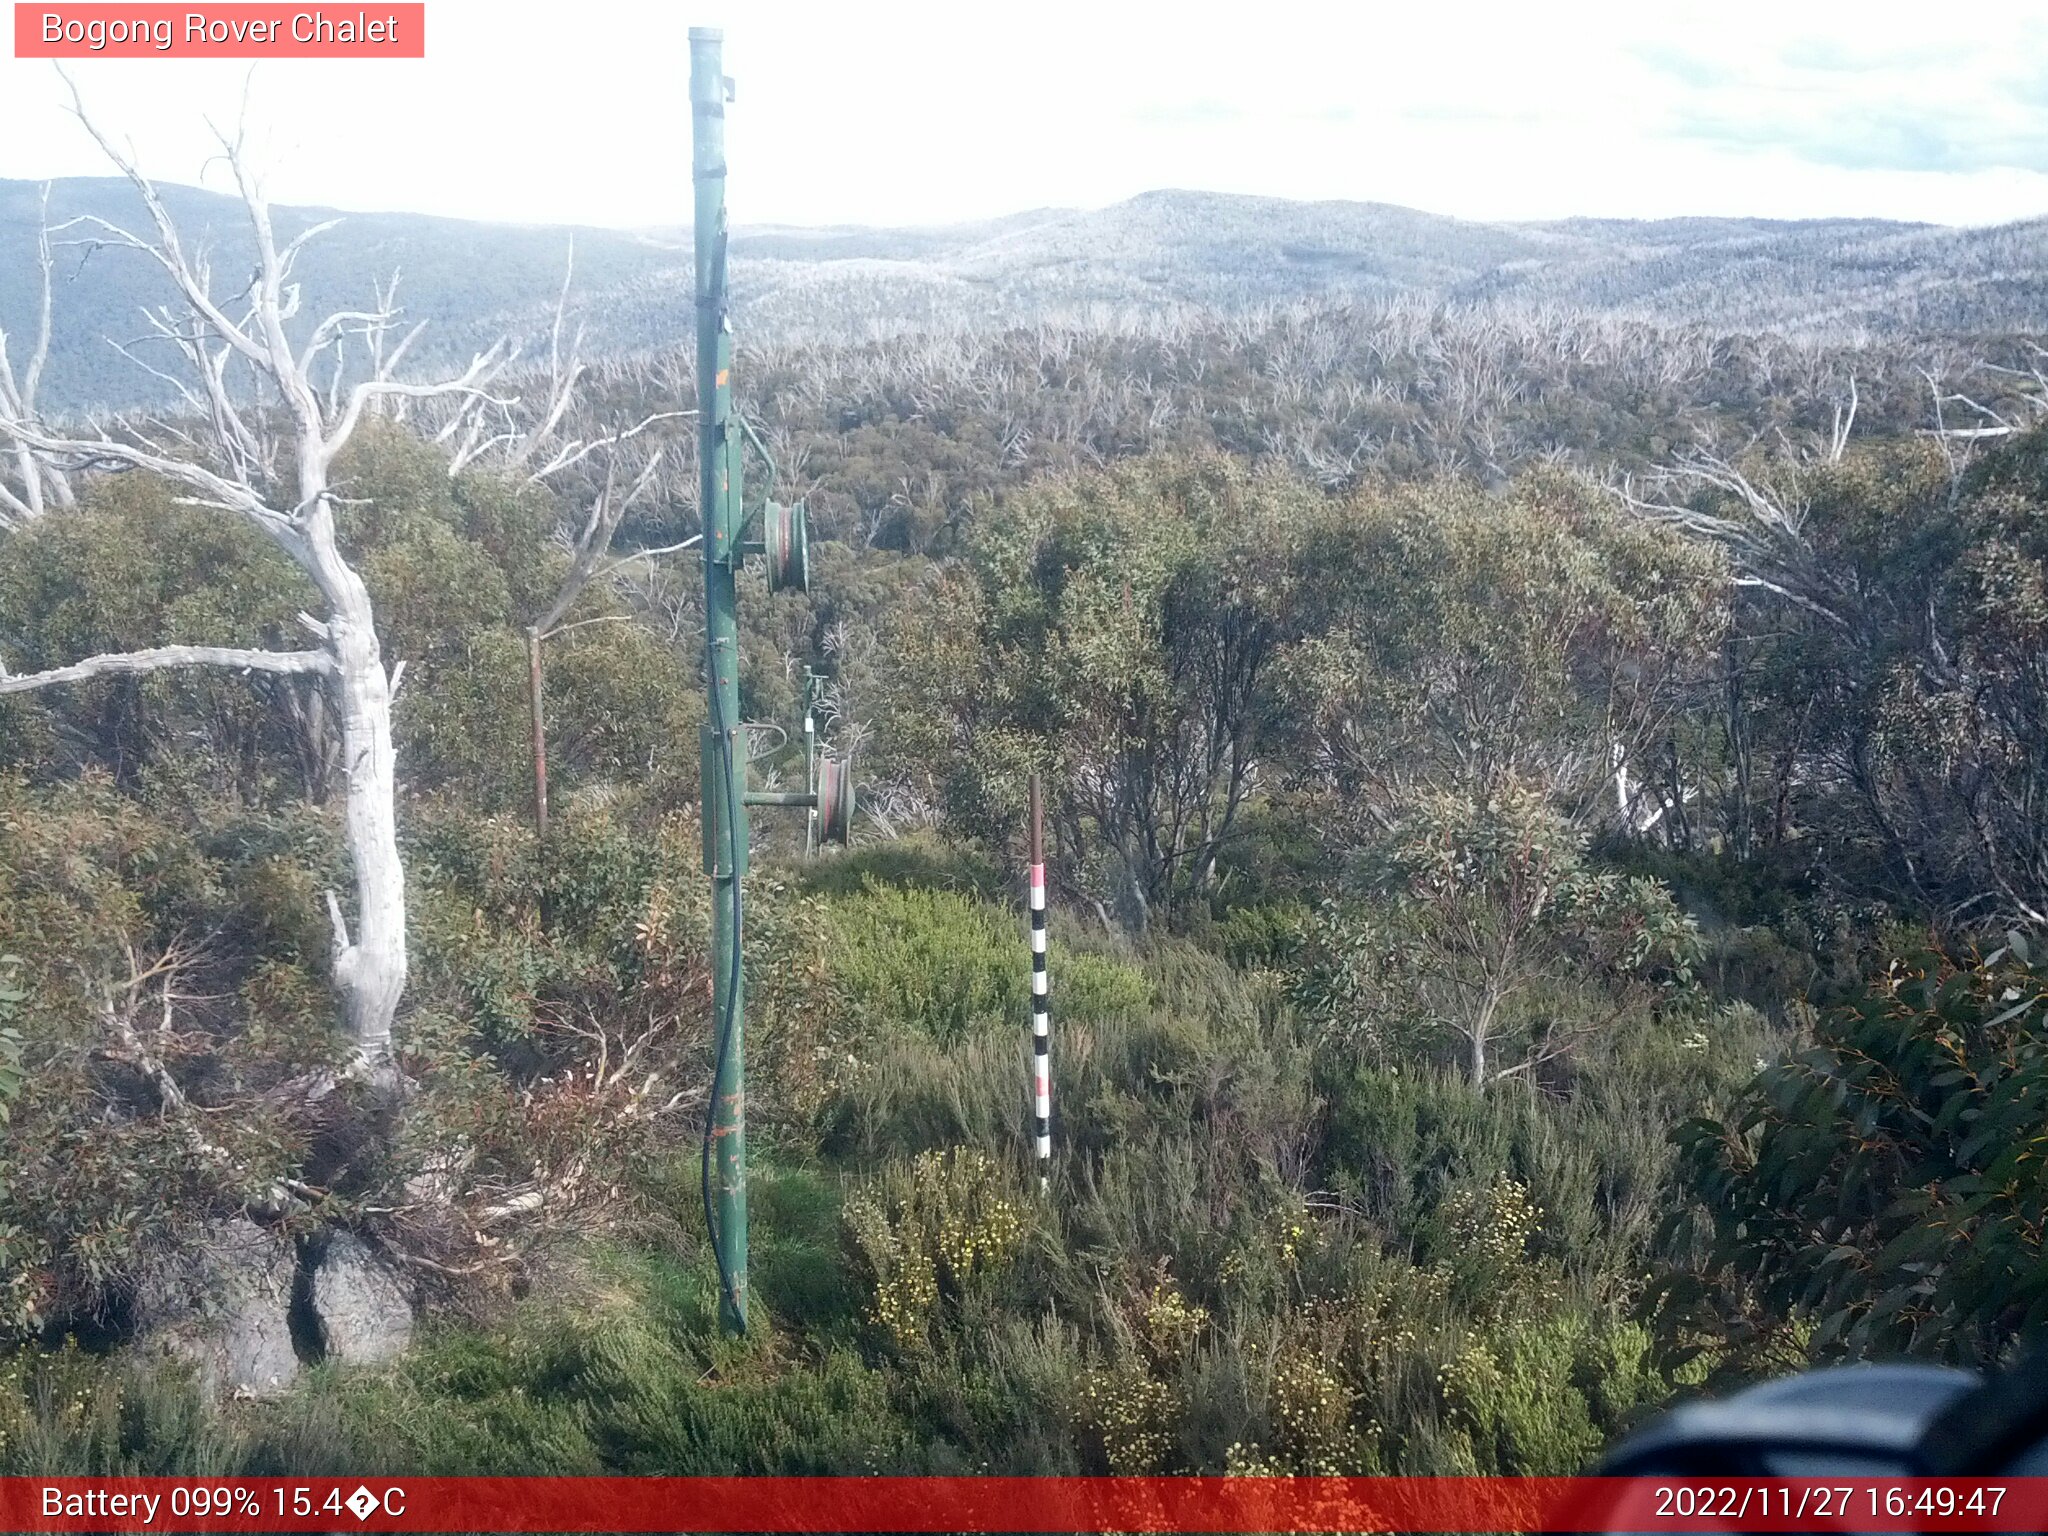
164,656
18,398
564,371
649,554
469,384
607,511
1767,537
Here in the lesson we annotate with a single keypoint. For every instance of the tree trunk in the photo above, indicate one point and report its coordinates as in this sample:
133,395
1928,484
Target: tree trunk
536,701
1134,907
1739,753
1788,762
1681,820
1479,1036
31,479
370,970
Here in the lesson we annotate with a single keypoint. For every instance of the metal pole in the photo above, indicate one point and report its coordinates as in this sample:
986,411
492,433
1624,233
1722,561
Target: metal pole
795,797
1041,997
723,754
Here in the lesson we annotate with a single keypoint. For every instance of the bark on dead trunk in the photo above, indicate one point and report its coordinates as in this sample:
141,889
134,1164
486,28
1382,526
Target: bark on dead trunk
369,968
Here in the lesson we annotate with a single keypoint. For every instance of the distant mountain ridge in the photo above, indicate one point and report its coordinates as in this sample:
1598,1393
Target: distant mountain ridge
1160,250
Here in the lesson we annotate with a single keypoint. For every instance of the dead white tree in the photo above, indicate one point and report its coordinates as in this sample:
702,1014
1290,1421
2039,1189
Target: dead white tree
2028,406
1845,423
265,419
602,468
590,546
1763,529
36,484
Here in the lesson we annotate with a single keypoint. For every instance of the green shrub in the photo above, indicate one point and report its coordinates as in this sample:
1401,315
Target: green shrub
926,962
1512,1394
1882,1188
12,995
931,1236
1268,934
17,1309
917,861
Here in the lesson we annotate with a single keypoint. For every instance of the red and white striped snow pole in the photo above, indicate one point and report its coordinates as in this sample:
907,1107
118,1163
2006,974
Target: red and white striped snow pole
1041,999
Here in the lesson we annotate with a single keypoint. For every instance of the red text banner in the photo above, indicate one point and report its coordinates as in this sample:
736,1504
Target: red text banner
232,31
1017,1504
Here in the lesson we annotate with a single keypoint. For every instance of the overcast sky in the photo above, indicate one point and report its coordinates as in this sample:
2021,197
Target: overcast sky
893,112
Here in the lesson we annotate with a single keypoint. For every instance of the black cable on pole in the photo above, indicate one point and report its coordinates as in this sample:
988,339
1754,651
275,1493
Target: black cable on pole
723,1053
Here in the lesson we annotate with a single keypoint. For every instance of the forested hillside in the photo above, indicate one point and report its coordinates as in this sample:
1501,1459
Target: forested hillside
1543,816
1181,255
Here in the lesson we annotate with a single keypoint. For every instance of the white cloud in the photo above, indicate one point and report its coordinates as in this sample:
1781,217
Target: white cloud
886,112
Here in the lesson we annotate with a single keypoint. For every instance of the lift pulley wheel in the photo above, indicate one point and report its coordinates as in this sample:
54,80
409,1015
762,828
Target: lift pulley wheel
786,547
835,800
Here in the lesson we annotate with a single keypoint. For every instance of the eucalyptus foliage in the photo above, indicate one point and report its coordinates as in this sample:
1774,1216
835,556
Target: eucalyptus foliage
1885,1190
